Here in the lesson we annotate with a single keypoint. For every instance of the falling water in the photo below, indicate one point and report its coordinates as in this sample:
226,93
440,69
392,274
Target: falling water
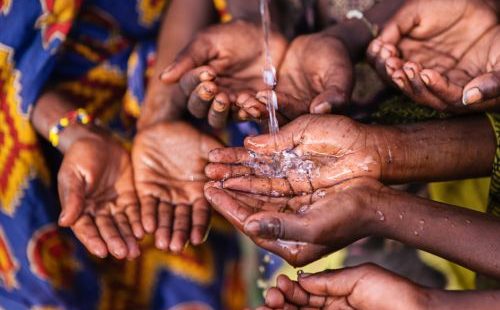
269,71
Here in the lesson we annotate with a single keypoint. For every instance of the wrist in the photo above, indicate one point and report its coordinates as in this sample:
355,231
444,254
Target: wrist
77,132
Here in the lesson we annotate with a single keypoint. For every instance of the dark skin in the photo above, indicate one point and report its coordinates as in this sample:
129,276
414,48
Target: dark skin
364,207
168,161
215,63
340,149
167,102
444,54
368,287
96,188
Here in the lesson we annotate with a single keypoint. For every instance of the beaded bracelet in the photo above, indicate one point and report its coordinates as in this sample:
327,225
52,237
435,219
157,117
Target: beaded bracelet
79,116
224,14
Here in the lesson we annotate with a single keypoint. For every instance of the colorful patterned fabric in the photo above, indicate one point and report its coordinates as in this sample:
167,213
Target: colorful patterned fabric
98,53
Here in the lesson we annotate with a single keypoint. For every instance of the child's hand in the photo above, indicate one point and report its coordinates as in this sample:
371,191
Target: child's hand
331,149
168,160
363,287
304,228
443,54
223,59
98,197
316,77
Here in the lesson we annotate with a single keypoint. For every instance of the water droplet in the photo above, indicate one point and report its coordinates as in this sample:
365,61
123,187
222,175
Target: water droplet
422,222
303,209
401,216
468,221
380,215
321,193
415,233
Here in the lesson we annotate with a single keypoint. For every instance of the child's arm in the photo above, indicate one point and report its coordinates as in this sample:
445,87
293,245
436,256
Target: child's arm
95,183
182,21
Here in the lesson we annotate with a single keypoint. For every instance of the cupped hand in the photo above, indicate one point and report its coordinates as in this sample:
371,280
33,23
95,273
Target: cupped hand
238,207
316,77
329,219
221,62
362,287
168,161
98,198
443,54
320,151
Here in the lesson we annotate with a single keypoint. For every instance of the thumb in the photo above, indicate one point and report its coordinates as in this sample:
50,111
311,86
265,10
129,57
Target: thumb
71,188
335,283
286,139
483,88
194,55
274,225
332,99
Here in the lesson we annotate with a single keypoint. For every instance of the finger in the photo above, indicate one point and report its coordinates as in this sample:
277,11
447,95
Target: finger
292,291
441,86
71,187
194,55
125,230
387,51
274,225
193,78
86,231
419,91
219,111
259,202
402,23
201,98
181,228
335,282
251,105
482,88
201,220
260,185
229,155
134,218
332,99
225,171
149,206
164,231
274,298
236,213
111,236
393,64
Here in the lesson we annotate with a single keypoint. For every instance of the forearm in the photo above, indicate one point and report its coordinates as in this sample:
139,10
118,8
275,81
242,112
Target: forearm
184,18
466,237
436,150
465,300
356,35
49,109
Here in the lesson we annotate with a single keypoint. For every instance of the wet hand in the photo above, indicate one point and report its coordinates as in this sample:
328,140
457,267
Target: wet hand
316,152
443,54
363,287
168,160
98,198
316,77
219,64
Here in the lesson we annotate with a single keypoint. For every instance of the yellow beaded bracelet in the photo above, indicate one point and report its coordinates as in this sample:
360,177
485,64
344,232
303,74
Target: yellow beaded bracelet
79,116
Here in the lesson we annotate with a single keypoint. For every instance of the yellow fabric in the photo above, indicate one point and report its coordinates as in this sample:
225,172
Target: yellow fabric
472,194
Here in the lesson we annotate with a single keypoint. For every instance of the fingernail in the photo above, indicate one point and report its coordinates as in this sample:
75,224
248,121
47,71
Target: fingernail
62,216
252,228
322,108
206,76
472,96
409,72
376,47
399,82
219,106
385,53
304,275
425,78
100,252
